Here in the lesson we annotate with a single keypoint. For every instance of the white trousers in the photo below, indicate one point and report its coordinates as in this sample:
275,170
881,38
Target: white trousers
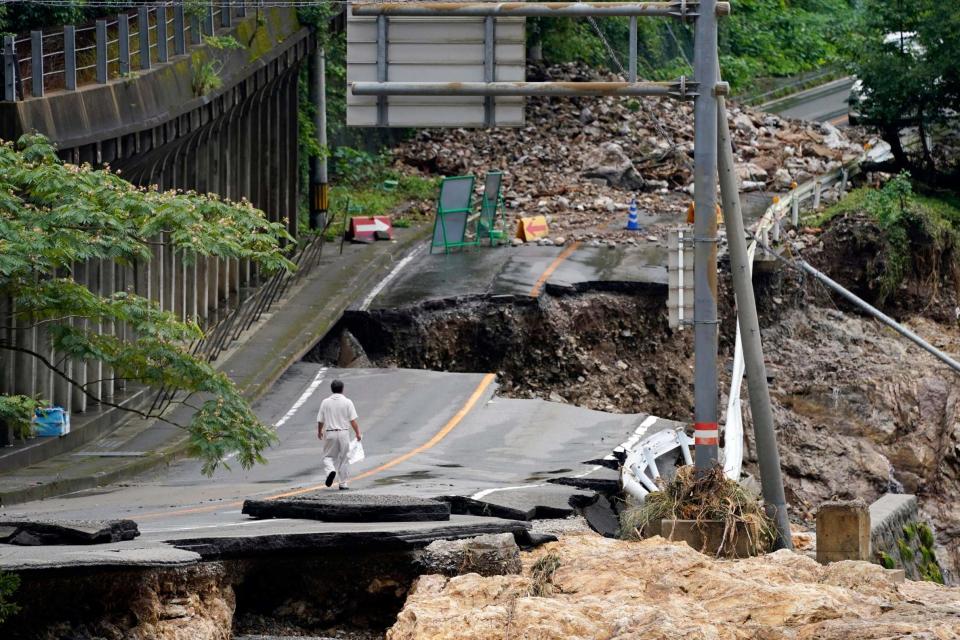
336,448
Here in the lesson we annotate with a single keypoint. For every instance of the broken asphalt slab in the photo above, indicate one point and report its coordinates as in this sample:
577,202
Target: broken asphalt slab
260,538
33,533
516,271
350,507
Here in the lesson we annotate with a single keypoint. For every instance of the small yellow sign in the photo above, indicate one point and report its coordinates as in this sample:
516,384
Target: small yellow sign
532,228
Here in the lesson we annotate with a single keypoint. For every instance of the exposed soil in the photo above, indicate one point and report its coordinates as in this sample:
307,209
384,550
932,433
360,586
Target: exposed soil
611,351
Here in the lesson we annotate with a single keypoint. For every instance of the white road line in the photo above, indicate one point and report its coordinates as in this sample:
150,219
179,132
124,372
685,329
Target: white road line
390,276
480,495
211,526
302,400
632,440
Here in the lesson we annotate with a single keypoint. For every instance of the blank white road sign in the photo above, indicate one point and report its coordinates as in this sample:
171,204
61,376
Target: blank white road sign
434,49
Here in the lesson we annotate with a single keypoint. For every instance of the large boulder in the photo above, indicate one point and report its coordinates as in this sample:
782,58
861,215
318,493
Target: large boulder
609,162
492,554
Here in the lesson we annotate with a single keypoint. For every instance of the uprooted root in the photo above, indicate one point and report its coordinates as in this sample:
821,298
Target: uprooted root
710,497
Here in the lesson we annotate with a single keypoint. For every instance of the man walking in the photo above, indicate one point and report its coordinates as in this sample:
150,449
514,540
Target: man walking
334,420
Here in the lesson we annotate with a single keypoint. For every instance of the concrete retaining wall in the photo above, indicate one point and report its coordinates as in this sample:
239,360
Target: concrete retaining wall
900,538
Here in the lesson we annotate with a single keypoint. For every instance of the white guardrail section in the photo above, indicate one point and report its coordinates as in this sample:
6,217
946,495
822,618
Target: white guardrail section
638,473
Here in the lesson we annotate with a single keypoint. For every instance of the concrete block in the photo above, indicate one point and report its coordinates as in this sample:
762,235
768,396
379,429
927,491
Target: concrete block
706,536
843,531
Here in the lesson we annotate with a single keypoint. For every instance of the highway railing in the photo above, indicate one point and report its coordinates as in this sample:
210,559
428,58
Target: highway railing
66,58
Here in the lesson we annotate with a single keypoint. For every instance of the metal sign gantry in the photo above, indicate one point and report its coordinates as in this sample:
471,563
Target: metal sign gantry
707,91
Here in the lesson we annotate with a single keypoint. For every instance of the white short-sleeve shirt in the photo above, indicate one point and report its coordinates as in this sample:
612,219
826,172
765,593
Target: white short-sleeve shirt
336,412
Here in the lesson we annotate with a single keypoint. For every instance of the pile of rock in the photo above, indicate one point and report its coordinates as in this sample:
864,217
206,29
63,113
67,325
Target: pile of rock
581,161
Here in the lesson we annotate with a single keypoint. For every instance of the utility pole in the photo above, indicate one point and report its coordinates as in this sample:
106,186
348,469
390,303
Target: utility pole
768,456
319,187
706,433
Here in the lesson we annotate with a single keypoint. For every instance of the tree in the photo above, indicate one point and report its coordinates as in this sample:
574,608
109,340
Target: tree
908,59
55,215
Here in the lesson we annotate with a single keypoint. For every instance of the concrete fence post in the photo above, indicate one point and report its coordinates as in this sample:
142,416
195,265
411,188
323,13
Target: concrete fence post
123,35
208,28
179,39
795,210
163,54
36,63
817,192
9,69
226,19
70,57
101,51
143,36
195,30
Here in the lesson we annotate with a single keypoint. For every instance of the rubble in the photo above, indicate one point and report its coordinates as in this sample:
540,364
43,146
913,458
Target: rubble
582,160
603,588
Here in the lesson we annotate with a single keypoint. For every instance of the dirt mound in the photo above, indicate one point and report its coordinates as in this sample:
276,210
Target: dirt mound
581,160
602,588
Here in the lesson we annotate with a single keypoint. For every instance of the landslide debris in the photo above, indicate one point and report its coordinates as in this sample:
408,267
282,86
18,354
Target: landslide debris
581,160
611,589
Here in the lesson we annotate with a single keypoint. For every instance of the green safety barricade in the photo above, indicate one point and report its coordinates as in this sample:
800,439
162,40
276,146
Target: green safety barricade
491,203
453,213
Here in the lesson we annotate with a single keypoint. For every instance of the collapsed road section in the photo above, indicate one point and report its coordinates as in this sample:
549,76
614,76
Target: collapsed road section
290,577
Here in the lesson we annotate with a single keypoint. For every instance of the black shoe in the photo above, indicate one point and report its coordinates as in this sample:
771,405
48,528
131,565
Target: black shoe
343,488
330,477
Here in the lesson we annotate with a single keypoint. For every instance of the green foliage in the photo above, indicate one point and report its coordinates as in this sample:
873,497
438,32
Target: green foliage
910,81
222,43
906,553
910,531
357,167
886,561
195,8
760,38
17,412
9,583
926,535
54,216
205,67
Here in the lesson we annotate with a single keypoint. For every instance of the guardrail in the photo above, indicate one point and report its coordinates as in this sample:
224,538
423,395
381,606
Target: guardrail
812,191
64,59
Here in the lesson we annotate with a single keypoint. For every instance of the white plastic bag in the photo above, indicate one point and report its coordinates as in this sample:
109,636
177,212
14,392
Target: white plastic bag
356,452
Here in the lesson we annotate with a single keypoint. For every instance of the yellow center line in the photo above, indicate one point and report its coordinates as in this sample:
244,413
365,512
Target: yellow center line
839,119
432,442
542,280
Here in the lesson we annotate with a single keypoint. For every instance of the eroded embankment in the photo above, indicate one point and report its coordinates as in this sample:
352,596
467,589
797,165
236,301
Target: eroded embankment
602,349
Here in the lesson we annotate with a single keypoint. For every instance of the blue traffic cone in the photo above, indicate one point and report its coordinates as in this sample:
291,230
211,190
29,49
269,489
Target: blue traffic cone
633,220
